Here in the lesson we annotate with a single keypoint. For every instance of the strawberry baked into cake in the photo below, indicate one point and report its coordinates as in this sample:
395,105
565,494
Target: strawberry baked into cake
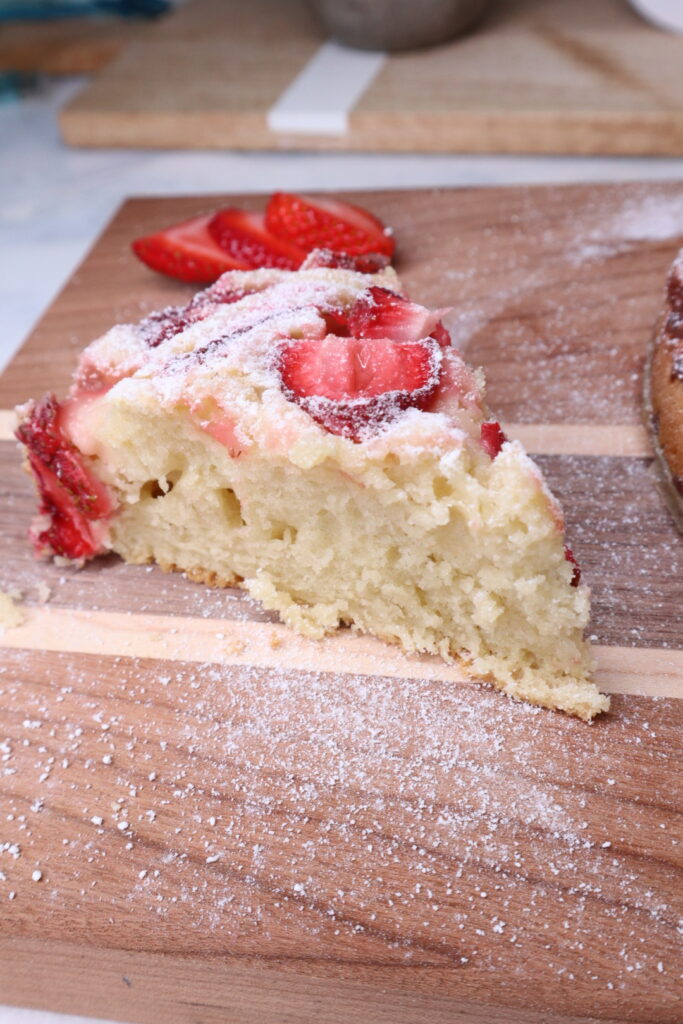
313,436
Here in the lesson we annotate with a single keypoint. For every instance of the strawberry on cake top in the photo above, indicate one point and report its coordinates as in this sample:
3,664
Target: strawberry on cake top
314,437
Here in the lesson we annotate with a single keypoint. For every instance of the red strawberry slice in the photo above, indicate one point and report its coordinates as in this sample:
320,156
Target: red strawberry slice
368,263
66,530
492,438
350,385
440,334
244,236
166,323
70,495
327,224
381,313
186,251
43,436
66,536
576,575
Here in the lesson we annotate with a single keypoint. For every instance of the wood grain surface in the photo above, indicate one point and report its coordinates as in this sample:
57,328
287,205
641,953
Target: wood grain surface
71,46
227,823
540,76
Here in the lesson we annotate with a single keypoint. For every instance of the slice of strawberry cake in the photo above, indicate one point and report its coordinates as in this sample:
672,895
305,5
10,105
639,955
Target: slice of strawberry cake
313,436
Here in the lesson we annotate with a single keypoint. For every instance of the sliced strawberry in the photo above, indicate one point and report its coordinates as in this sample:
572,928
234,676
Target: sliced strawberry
327,224
66,530
70,495
350,385
66,536
166,323
337,320
381,313
576,575
440,334
43,436
244,236
186,251
492,438
368,263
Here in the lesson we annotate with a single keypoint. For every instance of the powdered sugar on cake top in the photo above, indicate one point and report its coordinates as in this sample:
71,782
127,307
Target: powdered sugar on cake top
309,366
218,356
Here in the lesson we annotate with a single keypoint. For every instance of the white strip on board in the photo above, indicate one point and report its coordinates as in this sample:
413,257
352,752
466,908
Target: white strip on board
8,423
646,671
321,96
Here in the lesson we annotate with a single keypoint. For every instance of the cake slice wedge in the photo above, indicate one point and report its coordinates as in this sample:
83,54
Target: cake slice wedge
314,437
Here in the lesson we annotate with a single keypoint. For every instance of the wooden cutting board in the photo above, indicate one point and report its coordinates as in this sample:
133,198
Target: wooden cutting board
71,46
228,823
540,76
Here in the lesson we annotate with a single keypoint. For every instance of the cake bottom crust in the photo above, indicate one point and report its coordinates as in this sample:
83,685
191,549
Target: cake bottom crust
206,576
585,703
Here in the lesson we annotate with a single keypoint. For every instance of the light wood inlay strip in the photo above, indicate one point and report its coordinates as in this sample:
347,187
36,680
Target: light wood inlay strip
644,671
619,439
625,439
8,421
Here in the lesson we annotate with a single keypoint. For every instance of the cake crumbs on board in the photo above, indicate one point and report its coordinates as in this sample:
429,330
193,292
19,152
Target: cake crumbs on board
11,615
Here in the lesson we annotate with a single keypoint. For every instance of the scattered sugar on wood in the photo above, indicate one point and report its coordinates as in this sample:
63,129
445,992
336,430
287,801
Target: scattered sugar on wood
650,217
561,307
360,813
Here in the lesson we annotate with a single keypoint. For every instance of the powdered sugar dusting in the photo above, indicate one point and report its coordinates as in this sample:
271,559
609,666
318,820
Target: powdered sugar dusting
654,217
627,544
262,812
550,295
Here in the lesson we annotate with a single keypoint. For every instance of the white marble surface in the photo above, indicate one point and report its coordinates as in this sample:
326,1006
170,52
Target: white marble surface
14,1015
54,201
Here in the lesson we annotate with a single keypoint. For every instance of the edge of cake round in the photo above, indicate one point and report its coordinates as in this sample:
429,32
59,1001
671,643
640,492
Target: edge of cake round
663,392
314,437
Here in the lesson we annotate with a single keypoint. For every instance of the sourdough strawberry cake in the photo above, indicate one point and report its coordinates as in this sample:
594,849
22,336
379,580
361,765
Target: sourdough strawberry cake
664,391
314,437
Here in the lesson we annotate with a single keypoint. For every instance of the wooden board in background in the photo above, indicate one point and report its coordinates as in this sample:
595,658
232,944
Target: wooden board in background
71,46
306,842
540,76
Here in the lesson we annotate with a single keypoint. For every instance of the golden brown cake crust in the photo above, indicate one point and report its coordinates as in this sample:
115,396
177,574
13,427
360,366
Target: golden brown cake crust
664,391
207,576
587,705
198,575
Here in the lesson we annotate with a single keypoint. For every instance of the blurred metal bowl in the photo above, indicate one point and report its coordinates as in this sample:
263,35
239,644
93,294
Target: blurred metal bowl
667,14
398,24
